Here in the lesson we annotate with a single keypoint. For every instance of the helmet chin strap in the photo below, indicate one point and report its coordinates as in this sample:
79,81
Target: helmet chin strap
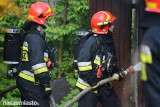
39,28
111,28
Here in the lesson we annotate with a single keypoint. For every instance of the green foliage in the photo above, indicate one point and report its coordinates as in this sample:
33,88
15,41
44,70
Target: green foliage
5,82
69,16
11,19
74,91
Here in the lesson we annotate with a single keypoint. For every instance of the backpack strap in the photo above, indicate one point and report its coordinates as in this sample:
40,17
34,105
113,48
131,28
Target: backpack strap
98,45
99,49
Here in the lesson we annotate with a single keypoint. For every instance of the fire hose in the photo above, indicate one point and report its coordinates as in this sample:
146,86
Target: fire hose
130,69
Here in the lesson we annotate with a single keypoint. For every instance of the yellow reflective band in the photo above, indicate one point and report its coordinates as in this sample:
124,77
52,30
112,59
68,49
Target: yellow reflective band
46,59
25,48
143,72
116,76
81,86
151,5
76,71
27,77
85,68
41,70
49,10
25,55
146,58
97,85
95,91
95,29
30,17
103,23
97,62
47,89
108,17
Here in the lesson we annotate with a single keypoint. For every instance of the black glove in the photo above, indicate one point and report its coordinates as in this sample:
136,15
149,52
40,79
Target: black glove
12,72
47,89
44,80
119,76
75,73
52,56
95,85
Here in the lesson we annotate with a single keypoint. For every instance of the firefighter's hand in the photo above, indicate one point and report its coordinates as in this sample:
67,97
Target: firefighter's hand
12,72
75,73
95,85
130,69
119,76
44,81
47,90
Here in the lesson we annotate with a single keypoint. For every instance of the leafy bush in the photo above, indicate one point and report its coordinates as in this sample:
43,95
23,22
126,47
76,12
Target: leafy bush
70,16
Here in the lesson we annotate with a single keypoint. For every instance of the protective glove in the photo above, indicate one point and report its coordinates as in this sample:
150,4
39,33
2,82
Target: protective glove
75,73
12,72
47,90
95,85
119,76
44,81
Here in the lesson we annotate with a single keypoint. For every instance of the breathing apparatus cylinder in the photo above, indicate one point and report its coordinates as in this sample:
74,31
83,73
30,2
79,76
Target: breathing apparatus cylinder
12,44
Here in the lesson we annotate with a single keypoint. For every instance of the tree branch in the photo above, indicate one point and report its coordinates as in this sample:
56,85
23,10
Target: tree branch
5,91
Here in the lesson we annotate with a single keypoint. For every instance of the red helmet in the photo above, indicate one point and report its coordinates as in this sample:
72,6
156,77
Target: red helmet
39,12
99,19
153,6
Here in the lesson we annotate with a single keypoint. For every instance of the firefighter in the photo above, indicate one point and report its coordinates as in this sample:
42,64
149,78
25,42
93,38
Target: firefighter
150,55
97,61
34,80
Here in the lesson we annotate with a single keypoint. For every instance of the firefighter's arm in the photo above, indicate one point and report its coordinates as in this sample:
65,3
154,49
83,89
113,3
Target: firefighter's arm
115,70
38,65
86,71
51,62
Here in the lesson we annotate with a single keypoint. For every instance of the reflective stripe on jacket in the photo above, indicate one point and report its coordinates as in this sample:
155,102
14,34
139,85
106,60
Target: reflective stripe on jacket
82,84
34,55
91,55
27,75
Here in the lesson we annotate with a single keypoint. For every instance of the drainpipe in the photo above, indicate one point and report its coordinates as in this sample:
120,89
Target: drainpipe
134,54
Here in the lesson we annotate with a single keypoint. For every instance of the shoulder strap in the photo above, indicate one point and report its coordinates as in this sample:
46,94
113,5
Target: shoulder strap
98,47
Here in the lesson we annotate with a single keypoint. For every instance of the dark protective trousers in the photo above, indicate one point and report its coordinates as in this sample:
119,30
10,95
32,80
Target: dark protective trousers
107,98
151,95
31,93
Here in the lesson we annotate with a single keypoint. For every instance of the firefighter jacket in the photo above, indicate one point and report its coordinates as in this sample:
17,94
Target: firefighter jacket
34,57
94,52
150,58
